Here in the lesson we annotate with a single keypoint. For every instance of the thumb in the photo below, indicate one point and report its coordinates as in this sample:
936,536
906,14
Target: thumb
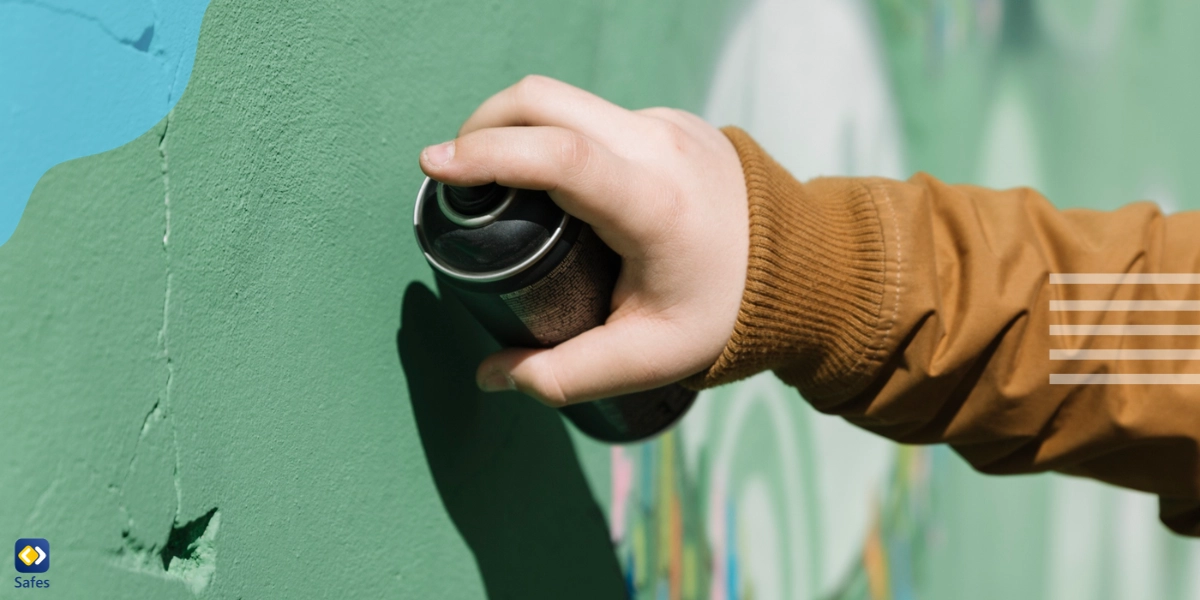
610,360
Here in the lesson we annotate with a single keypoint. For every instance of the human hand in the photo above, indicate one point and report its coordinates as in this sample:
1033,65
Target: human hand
661,187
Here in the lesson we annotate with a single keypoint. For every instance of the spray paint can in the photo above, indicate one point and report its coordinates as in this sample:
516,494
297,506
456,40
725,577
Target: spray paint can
535,277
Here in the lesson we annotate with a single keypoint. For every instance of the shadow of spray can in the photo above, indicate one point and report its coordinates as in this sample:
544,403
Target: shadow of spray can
535,277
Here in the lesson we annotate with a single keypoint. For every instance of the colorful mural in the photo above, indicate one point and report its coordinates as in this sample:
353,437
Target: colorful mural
740,515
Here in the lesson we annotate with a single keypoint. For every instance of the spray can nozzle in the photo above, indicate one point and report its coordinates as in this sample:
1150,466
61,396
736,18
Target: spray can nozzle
473,206
474,200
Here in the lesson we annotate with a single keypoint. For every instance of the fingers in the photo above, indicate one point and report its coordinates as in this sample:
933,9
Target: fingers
537,100
613,359
583,177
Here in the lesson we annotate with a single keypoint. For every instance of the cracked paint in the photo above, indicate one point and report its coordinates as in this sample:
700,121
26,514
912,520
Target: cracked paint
164,333
135,553
141,43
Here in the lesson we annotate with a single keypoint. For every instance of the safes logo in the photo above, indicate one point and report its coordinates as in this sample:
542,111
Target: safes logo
32,555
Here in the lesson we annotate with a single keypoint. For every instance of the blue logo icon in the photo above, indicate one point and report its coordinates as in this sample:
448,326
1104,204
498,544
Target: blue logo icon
32,555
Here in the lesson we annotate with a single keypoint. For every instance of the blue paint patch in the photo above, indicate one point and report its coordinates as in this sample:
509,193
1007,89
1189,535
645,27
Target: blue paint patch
79,77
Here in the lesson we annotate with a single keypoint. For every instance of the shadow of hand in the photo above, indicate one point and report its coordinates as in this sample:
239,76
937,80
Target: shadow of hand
503,464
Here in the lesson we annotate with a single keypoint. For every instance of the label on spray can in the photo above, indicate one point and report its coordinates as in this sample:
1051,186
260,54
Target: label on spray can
571,299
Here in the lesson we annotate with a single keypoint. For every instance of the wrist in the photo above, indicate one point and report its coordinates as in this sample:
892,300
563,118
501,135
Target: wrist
813,299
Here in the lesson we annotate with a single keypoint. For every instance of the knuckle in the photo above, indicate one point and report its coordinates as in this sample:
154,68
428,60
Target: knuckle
531,87
574,154
549,389
657,112
536,375
679,115
689,119
533,79
670,135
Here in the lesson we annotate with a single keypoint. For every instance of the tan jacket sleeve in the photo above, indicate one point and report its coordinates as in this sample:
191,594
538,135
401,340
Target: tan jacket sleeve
932,313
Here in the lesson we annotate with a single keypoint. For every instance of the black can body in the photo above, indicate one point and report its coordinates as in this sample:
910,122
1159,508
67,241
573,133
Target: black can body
535,277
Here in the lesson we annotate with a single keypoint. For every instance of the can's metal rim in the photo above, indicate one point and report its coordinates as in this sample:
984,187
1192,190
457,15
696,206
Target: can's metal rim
487,276
479,220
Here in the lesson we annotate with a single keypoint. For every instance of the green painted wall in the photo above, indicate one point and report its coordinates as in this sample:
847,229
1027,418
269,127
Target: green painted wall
216,320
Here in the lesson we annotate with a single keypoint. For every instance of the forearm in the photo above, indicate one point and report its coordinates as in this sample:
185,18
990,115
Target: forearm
921,311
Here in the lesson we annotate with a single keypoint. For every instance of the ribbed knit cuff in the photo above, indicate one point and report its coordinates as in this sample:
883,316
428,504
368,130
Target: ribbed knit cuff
815,282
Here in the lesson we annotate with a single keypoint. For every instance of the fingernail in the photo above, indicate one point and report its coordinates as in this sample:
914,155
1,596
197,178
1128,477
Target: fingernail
497,381
440,154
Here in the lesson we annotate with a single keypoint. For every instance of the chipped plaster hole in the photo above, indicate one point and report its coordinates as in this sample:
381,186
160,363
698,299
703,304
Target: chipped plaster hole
184,540
189,554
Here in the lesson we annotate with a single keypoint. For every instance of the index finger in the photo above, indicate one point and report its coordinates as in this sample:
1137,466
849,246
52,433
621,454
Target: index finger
583,177
537,100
